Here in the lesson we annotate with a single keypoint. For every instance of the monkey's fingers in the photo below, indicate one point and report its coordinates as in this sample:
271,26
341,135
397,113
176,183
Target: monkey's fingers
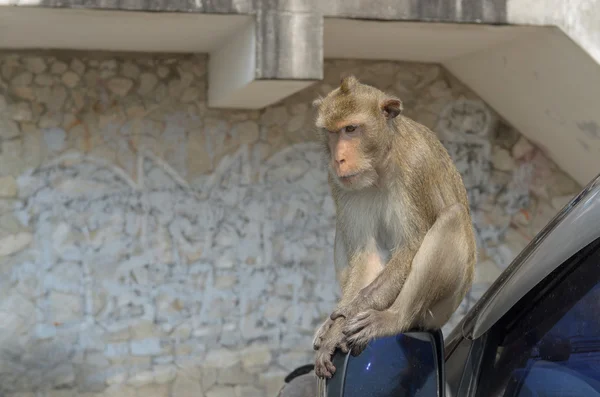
359,341
324,368
317,343
365,327
318,339
358,348
357,323
343,346
340,312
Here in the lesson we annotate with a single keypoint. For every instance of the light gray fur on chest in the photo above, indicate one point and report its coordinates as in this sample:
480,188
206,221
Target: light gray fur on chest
373,222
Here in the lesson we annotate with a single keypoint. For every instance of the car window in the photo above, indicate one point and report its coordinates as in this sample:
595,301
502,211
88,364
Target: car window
455,365
553,347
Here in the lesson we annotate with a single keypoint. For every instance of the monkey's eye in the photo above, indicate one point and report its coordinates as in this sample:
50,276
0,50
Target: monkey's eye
350,128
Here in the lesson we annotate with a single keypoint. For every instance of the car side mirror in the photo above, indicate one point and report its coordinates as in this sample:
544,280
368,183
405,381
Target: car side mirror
405,365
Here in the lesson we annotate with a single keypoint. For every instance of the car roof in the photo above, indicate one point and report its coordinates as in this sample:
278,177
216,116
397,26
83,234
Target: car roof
574,227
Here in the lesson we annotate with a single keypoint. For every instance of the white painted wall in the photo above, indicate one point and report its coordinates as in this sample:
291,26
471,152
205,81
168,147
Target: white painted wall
577,18
548,88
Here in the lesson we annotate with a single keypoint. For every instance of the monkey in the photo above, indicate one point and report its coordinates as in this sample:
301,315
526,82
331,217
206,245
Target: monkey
404,245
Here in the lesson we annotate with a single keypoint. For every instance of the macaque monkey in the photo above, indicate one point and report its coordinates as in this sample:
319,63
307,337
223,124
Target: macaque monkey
404,246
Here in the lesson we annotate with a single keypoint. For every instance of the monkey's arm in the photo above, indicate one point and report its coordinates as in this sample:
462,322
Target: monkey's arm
440,275
384,290
381,293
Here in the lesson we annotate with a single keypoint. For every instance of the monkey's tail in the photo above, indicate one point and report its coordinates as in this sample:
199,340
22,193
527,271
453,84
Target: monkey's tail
299,371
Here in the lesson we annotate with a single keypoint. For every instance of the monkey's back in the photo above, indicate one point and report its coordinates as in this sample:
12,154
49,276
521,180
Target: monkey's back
429,173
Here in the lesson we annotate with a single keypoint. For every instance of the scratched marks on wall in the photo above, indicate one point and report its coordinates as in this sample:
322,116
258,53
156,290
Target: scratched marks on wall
494,182
158,249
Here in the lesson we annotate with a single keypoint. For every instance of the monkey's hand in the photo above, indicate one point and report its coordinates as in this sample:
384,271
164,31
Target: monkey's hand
333,339
363,301
366,326
320,334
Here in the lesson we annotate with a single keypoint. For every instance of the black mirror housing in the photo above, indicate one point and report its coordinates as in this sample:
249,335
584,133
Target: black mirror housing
407,365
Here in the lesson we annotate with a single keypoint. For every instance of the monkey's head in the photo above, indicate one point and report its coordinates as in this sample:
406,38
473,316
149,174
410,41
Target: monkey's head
356,125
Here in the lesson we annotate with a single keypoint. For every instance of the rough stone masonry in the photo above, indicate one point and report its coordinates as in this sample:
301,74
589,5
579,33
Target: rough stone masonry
150,246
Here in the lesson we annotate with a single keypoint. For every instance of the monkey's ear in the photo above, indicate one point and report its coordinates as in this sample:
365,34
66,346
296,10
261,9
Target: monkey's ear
347,83
391,108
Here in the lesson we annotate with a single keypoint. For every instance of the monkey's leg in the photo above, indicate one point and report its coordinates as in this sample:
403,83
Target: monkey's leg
440,275
362,268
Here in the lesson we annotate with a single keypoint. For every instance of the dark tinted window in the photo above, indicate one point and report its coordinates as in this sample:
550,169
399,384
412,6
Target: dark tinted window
553,349
399,365
455,366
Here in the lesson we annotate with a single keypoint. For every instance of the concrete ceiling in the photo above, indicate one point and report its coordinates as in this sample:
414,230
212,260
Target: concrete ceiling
537,78
230,39
412,41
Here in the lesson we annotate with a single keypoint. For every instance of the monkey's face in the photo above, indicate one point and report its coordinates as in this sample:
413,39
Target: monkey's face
350,161
353,122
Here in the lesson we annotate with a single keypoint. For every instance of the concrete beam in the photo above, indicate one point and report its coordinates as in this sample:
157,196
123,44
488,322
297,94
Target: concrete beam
255,60
266,61
188,6
47,28
456,11
578,19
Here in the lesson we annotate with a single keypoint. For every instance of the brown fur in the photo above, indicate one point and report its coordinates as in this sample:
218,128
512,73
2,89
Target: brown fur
404,248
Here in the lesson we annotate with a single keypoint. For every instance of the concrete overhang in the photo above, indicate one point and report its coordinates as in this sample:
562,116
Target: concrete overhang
248,67
540,80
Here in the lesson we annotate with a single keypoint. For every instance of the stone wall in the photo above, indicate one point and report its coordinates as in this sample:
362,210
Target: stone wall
151,246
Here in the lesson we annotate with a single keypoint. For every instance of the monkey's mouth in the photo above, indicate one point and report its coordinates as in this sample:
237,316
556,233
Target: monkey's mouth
348,178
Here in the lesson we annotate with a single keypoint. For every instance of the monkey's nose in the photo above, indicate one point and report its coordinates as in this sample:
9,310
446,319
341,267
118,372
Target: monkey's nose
340,161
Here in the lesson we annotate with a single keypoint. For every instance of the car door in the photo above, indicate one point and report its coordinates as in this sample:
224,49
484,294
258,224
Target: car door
549,343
